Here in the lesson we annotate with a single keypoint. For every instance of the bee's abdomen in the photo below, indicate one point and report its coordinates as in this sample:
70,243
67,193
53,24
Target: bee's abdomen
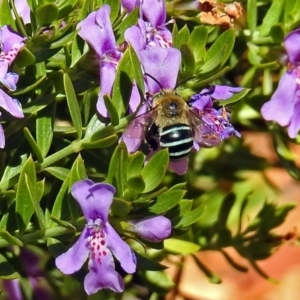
178,138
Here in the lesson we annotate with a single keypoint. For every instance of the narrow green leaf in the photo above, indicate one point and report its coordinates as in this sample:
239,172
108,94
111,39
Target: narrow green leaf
101,143
114,9
73,105
136,162
188,61
6,15
224,44
180,247
111,110
58,172
272,17
197,42
33,144
7,271
117,169
166,201
154,171
35,197
136,183
24,202
120,207
191,217
64,40
12,240
252,15
46,14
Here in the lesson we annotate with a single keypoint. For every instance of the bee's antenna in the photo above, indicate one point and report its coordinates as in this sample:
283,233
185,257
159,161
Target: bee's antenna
184,81
153,78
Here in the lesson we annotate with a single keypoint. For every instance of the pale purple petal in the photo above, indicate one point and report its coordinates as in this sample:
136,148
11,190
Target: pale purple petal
72,260
281,106
10,39
223,91
120,250
153,229
136,37
23,10
103,275
291,44
180,167
162,64
201,101
132,144
94,198
294,126
10,80
135,98
12,288
2,137
130,5
96,30
12,106
154,11
107,78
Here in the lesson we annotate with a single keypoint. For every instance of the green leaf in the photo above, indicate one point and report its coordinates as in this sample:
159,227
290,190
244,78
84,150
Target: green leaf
12,240
155,169
46,14
24,201
64,40
60,208
197,42
120,207
6,16
25,58
58,172
252,15
188,61
224,45
111,110
272,17
117,169
34,146
181,247
136,162
44,128
136,183
130,20
182,37
7,271
166,201
129,69
114,9
190,217
73,105
36,191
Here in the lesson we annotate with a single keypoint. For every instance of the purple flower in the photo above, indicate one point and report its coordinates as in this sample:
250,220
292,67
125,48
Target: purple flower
12,289
23,10
284,106
98,241
153,229
97,31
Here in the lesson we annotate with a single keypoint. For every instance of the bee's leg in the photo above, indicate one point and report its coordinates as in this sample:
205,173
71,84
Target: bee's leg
151,136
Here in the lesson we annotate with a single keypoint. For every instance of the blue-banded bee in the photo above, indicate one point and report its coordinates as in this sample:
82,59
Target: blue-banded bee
171,123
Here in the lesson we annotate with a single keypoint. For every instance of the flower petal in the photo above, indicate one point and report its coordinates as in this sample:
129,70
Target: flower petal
103,276
107,78
281,106
96,29
94,198
12,106
120,250
72,260
136,37
130,5
180,167
162,64
154,11
294,125
10,39
10,80
291,44
223,92
2,137
153,229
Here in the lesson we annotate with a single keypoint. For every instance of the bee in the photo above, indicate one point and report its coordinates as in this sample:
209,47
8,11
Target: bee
171,123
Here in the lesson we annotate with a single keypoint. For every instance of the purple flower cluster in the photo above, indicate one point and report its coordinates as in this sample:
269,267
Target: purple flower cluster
152,42
11,43
284,106
101,243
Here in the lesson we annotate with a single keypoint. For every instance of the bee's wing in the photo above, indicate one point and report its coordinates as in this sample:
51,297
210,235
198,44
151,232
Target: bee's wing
204,134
